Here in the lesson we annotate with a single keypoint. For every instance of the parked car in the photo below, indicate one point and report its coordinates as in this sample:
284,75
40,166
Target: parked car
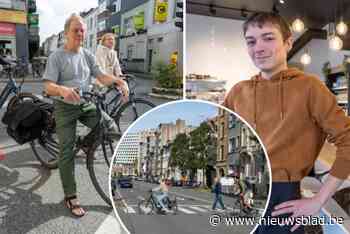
125,182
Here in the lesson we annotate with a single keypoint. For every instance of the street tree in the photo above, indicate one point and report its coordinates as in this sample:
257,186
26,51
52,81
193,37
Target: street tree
180,152
203,145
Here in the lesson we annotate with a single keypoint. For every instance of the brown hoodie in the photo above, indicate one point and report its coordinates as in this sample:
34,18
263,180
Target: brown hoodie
293,113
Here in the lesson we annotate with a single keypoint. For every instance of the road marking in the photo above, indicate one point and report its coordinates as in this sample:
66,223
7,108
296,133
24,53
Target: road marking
185,210
198,209
129,210
190,197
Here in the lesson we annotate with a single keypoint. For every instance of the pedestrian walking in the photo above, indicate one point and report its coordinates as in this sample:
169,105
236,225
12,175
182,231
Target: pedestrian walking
217,193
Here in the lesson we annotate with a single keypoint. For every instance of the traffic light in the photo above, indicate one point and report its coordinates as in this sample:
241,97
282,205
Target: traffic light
179,14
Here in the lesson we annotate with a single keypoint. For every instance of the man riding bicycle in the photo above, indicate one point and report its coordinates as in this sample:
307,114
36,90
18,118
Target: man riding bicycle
70,68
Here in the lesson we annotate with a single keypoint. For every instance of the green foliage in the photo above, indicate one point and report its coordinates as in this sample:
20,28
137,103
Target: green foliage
167,76
195,151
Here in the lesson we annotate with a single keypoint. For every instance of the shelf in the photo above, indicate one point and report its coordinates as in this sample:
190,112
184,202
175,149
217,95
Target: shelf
340,88
342,102
335,71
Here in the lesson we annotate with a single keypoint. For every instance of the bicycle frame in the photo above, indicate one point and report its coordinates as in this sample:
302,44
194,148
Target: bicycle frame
11,87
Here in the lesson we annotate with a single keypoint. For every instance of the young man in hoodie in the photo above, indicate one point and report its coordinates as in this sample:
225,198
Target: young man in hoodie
293,113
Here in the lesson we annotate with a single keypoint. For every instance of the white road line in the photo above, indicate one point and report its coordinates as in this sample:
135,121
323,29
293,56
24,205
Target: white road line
190,197
186,211
198,209
129,210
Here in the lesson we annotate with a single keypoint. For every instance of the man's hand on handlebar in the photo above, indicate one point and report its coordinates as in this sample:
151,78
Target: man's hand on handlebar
70,95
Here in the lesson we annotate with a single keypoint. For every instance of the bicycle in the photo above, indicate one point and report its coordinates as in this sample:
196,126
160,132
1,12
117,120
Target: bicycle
150,204
126,113
12,88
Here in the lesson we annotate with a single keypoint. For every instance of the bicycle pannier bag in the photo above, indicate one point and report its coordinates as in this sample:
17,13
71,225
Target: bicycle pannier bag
25,122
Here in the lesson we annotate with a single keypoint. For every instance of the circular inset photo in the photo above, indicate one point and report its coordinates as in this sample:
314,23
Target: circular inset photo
189,167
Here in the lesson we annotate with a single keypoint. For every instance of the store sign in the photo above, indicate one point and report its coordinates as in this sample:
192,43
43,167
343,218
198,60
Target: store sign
5,4
33,19
18,17
7,29
161,12
139,21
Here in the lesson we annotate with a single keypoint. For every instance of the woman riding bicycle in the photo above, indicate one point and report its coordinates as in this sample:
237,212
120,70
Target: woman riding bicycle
68,68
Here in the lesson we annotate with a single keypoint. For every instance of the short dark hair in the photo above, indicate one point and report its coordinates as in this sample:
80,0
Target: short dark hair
260,19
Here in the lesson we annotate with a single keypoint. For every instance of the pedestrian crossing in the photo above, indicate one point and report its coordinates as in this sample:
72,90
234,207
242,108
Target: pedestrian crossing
182,209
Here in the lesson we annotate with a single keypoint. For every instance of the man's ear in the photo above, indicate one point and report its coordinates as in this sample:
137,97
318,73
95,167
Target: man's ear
289,43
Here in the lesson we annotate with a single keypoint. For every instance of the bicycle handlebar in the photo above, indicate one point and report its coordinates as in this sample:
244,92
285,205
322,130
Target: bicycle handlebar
85,97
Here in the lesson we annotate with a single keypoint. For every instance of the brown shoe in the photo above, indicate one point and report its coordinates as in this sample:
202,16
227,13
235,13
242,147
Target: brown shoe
74,207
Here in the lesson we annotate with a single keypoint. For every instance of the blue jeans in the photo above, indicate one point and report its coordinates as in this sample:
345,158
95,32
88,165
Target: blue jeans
218,198
281,192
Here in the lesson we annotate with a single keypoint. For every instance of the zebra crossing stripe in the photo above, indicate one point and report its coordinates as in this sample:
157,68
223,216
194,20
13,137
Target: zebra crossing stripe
198,209
186,211
129,210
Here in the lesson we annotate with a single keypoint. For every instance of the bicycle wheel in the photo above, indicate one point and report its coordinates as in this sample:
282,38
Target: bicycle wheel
98,161
45,148
130,111
145,206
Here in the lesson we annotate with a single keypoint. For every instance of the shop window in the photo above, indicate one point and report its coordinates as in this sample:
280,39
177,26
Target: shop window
128,27
102,26
130,52
117,4
140,48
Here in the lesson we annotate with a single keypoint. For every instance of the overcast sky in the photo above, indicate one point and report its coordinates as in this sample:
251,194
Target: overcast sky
53,13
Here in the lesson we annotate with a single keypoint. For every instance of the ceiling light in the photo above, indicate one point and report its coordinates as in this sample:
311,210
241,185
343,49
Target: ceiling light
342,28
305,58
298,25
335,43
282,1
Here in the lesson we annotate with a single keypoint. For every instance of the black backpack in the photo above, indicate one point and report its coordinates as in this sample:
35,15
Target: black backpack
26,121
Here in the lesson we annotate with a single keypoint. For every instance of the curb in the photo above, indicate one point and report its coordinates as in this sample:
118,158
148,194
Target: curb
170,97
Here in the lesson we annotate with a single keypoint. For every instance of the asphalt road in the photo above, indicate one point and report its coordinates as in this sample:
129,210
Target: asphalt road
31,196
194,212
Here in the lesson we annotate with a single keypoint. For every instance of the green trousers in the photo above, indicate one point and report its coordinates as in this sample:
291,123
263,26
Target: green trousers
66,116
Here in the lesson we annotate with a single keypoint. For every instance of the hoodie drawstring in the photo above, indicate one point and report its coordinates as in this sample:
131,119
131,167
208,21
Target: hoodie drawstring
255,109
280,85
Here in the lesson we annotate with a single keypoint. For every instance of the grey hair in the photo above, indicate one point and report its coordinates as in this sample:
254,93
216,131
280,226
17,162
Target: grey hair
70,19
